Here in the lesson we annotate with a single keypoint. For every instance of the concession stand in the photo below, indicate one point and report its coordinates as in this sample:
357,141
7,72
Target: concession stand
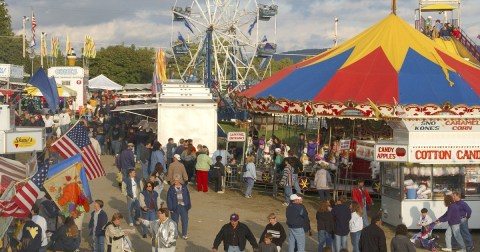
426,158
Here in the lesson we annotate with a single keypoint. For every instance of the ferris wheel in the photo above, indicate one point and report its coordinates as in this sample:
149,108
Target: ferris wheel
223,43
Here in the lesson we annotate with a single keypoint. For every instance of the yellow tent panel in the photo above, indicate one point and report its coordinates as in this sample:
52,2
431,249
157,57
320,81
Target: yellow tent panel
437,7
63,91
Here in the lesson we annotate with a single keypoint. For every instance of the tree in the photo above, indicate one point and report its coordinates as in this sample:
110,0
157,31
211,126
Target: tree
10,45
124,64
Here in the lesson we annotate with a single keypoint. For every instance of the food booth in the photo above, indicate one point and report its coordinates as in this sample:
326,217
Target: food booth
426,158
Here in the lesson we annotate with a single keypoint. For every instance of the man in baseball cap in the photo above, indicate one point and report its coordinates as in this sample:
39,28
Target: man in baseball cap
298,223
177,168
230,242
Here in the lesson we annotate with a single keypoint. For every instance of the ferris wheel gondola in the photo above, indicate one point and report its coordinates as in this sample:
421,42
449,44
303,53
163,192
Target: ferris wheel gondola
222,41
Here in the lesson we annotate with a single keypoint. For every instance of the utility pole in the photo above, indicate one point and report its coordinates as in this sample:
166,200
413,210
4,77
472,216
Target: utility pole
335,32
25,19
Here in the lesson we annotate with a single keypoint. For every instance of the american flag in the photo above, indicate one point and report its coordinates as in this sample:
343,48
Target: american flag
77,141
22,202
10,170
34,25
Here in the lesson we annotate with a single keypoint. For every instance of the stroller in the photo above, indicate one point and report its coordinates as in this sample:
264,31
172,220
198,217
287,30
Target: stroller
425,238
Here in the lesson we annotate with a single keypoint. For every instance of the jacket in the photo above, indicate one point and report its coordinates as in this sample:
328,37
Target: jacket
145,197
341,215
250,171
452,216
203,162
357,196
127,160
321,180
372,239
287,178
297,216
325,222
401,243
157,157
176,167
62,241
172,201
127,187
277,231
113,238
356,223
101,222
226,235
165,233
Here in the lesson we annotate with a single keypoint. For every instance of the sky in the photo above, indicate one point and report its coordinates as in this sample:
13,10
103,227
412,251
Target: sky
300,24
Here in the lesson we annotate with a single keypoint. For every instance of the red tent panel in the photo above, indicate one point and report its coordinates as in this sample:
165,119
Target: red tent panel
469,73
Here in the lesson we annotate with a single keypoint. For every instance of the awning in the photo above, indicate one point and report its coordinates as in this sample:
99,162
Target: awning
4,92
135,107
437,7
63,91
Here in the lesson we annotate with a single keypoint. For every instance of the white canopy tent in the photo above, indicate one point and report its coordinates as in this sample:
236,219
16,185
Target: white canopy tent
104,83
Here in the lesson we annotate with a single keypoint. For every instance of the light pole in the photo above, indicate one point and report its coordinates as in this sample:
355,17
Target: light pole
25,19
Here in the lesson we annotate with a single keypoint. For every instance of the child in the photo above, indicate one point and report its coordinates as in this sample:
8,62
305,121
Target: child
218,173
423,222
267,245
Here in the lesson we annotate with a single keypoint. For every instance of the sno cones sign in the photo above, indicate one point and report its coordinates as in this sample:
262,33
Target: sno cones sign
67,184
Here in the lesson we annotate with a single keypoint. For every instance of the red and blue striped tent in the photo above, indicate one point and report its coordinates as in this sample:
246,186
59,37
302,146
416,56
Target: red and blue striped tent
388,63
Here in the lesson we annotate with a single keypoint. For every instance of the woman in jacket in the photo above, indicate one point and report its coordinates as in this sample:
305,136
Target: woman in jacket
178,202
164,231
157,177
322,183
114,234
453,217
149,203
66,237
325,226
202,166
356,225
401,243
249,176
157,156
287,181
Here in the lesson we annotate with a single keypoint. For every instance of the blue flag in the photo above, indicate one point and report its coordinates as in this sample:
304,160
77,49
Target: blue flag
180,37
187,24
251,26
41,81
53,84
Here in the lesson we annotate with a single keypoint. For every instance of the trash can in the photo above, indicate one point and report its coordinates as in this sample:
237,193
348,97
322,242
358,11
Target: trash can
411,193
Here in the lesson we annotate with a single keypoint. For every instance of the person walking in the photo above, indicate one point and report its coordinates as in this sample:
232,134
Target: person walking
325,226
64,120
453,217
465,214
114,235
178,202
372,237
249,176
234,236
361,195
157,178
157,156
149,203
144,153
98,220
171,146
202,166
401,243
127,160
115,136
341,216
356,225
297,221
177,168
164,231
276,230
131,189
287,181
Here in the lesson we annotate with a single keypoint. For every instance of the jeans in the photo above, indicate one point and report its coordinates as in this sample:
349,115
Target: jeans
365,216
295,183
287,191
324,194
133,205
150,215
116,146
340,242
183,213
324,240
355,237
296,235
98,243
250,183
43,249
145,171
455,231
64,128
159,190
466,233
234,249
101,141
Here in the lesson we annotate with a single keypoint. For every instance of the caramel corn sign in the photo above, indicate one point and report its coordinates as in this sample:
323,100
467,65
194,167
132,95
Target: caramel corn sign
24,142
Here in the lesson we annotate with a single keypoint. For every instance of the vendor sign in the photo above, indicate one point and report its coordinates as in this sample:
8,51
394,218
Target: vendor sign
236,136
391,153
444,154
365,150
345,144
444,125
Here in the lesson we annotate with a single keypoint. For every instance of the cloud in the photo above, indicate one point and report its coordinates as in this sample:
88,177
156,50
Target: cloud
300,23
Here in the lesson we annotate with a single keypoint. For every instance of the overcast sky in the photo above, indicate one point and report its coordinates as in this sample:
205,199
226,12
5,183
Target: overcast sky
301,24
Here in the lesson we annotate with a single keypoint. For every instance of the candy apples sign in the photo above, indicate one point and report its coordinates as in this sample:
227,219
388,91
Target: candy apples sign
391,153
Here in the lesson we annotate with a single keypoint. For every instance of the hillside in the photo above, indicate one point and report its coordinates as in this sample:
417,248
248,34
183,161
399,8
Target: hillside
298,55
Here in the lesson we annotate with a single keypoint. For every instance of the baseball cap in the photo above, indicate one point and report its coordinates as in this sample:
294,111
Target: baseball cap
294,197
234,217
278,150
130,144
177,157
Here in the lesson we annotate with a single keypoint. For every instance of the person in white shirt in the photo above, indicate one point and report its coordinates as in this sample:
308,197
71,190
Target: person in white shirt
48,120
356,225
131,188
64,121
39,220
95,143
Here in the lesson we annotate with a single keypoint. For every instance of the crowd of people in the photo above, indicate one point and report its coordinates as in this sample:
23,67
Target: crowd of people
439,30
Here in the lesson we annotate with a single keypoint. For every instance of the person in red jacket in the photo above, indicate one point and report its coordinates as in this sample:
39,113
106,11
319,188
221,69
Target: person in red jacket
360,195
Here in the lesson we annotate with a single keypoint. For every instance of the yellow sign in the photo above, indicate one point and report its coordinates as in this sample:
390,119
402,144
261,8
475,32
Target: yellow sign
23,141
